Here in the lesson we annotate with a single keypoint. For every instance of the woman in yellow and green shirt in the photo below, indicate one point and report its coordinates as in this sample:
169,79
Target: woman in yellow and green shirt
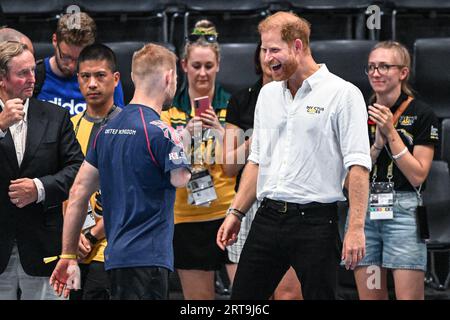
196,254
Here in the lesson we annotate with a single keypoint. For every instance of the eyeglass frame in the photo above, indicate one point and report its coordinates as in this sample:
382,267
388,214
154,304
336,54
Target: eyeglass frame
65,58
210,38
377,68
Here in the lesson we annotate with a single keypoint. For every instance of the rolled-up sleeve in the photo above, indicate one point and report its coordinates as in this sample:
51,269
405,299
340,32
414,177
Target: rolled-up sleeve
352,124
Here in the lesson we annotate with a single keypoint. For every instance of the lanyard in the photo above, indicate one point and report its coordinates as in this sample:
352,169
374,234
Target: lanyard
390,171
397,114
104,120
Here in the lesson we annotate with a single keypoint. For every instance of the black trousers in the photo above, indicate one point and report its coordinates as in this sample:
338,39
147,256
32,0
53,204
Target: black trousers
139,283
94,283
305,237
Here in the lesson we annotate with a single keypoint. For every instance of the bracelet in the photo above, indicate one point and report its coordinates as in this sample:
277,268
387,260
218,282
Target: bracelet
400,154
379,149
63,256
237,213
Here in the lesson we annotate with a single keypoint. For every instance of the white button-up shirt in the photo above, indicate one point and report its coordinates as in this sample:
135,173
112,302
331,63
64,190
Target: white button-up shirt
19,135
304,145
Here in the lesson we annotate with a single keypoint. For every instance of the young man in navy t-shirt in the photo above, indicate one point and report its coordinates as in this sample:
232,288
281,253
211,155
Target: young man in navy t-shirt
138,162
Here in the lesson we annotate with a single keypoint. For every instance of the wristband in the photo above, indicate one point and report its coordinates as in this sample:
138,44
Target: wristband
400,154
62,256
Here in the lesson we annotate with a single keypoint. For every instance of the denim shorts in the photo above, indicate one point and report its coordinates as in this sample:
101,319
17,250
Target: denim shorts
394,243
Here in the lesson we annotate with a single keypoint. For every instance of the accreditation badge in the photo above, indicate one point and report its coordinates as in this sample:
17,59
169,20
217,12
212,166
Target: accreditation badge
201,189
381,201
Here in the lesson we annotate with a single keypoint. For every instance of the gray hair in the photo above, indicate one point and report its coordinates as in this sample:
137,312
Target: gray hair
9,50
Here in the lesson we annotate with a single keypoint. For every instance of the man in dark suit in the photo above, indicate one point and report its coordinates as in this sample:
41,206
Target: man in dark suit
39,158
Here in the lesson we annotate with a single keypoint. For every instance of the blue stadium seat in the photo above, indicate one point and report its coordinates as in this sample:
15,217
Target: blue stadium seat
227,8
445,141
237,69
340,5
142,7
43,50
405,7
436,197
431,65
124,53
345,58
30,7
137,19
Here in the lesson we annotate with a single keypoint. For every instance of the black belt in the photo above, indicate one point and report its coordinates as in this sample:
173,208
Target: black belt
283,207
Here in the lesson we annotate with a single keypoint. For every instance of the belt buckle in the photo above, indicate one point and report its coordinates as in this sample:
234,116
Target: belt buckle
284,210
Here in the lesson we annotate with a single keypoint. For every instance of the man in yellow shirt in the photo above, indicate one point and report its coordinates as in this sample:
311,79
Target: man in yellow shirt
97,77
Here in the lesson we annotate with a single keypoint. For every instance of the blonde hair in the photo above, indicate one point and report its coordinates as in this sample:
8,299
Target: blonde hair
204,27
291,27
9,50
77,29
150,61
405,60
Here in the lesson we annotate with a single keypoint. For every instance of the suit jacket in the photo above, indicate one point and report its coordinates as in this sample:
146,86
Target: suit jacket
53,155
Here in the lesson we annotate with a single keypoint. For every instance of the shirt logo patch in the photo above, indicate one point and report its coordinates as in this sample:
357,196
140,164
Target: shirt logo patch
407,120
169,132
177,156
314,110
434,133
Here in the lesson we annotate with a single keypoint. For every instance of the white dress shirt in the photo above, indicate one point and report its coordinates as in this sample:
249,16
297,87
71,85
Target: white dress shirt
19,135
304,145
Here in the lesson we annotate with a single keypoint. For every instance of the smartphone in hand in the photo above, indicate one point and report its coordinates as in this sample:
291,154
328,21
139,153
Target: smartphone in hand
201,104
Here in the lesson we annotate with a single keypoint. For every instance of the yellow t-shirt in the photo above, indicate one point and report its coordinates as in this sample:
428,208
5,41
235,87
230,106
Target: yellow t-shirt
84,130
223,185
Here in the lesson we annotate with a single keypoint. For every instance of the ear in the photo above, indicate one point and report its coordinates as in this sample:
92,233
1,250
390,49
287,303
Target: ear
54,40
132,78
116,78
298,45
168,77
404,73
184,65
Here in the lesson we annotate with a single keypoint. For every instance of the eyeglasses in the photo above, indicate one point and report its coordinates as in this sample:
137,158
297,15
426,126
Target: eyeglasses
65,57
211,38
382,68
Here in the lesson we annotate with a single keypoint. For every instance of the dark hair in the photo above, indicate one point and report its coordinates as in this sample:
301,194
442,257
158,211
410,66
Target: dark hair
99,52
257,59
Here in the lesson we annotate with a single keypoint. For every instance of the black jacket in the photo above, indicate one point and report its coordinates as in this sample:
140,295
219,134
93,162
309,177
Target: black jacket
53,155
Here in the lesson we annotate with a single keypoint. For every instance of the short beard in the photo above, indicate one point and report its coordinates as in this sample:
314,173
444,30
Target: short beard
61,69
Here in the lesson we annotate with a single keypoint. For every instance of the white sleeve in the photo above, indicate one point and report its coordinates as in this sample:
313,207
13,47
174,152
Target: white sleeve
254,148
352,129
40,190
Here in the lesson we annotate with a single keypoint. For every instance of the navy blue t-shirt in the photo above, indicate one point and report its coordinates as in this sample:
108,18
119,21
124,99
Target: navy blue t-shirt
65,92
134,154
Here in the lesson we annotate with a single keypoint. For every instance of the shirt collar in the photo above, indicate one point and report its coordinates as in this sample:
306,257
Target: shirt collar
25,108
313,79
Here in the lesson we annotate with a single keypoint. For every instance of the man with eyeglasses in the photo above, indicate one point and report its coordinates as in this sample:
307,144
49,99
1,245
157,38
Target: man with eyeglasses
56,79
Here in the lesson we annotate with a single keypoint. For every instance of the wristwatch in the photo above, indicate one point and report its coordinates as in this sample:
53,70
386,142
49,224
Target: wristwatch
93,240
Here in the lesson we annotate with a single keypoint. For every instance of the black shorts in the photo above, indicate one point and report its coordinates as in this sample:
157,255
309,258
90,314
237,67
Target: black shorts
139,283
195,246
